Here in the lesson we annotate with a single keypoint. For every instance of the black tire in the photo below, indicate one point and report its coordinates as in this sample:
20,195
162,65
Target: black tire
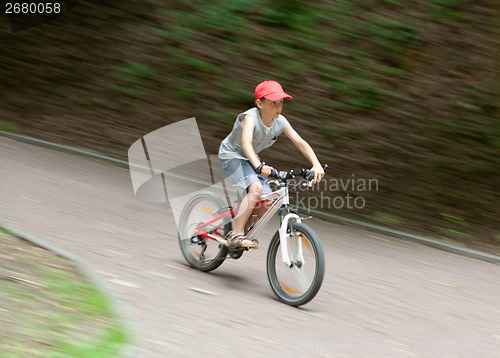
314,262
200,208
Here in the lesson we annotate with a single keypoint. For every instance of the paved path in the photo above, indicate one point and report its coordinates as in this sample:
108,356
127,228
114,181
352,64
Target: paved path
381,297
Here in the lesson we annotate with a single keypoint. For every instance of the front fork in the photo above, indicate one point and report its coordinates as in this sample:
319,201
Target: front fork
286,223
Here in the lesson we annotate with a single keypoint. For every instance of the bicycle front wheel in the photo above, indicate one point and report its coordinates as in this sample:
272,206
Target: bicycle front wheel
298,283
202,253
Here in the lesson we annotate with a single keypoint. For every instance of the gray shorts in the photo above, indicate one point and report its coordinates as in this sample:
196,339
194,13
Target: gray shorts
242,174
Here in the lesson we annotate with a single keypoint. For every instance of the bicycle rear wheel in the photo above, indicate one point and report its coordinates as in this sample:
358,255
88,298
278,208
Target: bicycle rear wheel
298,284
202,253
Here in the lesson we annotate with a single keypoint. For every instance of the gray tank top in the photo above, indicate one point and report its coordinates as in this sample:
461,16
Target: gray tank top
263,137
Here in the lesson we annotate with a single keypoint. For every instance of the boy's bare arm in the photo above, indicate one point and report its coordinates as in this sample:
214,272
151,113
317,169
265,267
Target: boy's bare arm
248,125
306,150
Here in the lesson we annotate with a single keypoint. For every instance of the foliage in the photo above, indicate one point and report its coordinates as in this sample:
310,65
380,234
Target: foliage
133,72
449,9
291,14
132,75
394,39
7,127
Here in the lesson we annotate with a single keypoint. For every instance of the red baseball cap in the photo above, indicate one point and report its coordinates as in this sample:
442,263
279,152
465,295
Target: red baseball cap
270,90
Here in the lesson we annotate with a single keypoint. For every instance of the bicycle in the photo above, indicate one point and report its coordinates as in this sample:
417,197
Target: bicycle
295,275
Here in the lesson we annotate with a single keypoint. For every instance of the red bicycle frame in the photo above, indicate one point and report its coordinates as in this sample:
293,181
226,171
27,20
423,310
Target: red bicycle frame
217,227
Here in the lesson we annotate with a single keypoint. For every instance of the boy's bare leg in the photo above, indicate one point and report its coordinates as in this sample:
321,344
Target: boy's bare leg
259,210
246,208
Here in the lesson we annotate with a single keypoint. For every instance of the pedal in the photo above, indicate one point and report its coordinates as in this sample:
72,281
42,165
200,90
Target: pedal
196,240
237,252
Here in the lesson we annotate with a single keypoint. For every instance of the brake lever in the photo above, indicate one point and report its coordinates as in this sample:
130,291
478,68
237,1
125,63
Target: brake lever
308,183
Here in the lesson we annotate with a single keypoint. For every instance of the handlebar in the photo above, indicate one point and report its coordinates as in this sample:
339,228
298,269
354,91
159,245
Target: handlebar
304,173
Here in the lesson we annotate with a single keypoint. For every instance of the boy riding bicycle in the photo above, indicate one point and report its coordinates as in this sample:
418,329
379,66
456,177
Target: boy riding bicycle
254,130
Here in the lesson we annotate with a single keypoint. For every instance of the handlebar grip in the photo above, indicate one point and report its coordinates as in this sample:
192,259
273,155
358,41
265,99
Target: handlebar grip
307,174
274,174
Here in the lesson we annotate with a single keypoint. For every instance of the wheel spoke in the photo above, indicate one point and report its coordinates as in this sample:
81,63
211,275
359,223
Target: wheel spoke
301,278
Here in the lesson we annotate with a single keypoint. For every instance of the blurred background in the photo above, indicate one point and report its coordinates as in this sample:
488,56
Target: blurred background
404,92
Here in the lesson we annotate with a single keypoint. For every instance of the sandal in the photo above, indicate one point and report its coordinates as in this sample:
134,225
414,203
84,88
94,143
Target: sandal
238,241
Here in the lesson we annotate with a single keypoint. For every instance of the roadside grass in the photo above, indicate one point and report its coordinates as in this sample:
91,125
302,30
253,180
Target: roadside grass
7,127
47,309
